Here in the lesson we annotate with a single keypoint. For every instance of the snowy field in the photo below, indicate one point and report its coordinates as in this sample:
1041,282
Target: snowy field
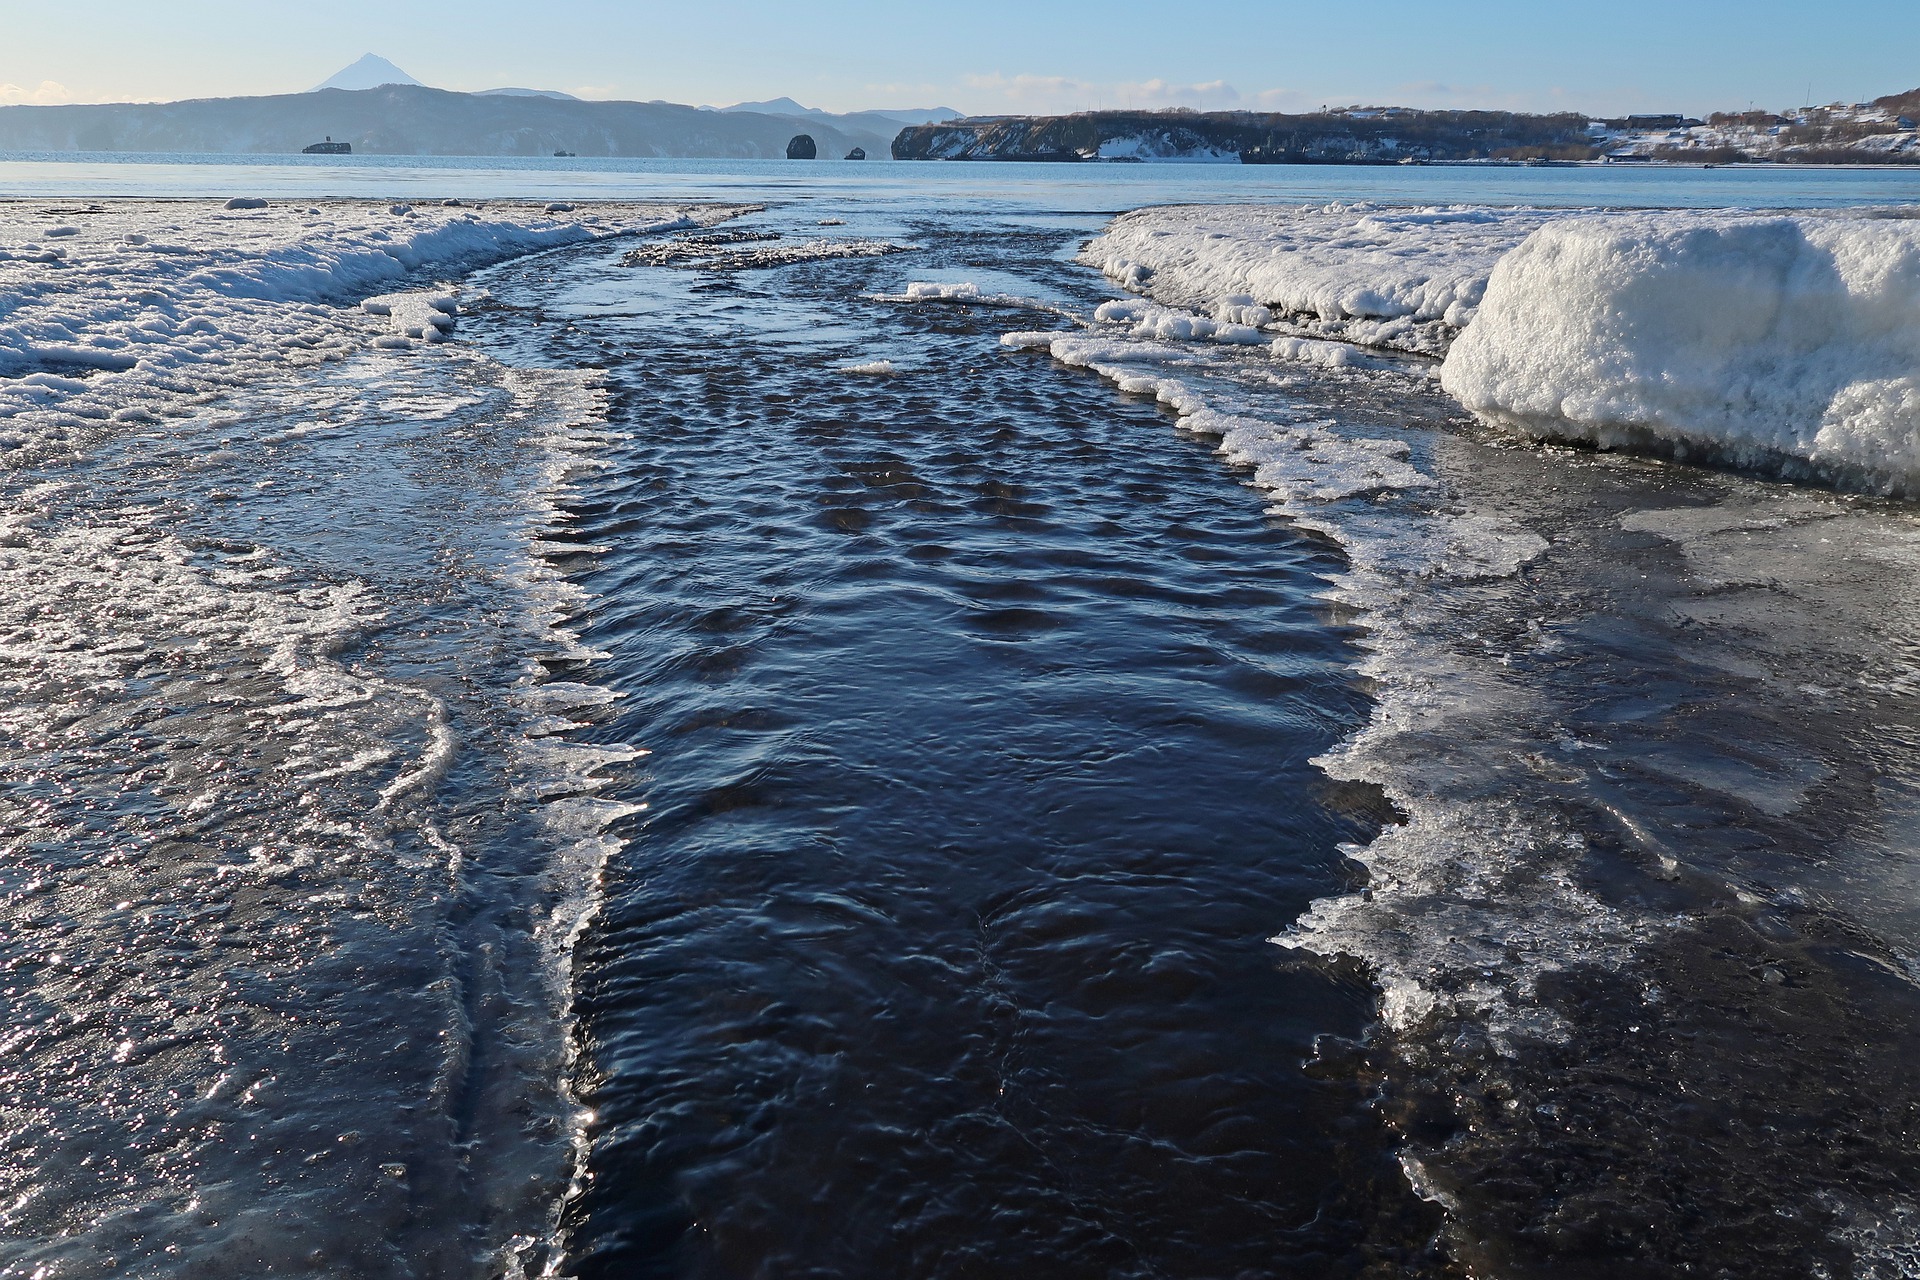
1789,343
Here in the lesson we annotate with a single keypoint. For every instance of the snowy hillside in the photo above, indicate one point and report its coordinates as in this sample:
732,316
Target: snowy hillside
1840,133
1357,135
1883,131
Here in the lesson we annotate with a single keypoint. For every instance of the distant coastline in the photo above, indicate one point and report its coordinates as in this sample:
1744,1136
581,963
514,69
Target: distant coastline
1882,132
397,120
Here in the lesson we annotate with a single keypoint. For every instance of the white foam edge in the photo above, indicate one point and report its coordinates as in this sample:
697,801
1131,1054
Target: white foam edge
1334,484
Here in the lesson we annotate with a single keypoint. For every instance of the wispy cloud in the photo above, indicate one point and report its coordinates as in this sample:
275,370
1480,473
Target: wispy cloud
1162,93
46,93
902,91
1483,97
1046,92
1064,93
1285,100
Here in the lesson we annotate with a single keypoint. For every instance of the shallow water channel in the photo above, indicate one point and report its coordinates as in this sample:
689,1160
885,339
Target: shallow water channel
981,705
980,708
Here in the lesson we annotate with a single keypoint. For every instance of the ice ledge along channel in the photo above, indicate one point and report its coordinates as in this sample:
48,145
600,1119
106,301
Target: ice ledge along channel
1404,539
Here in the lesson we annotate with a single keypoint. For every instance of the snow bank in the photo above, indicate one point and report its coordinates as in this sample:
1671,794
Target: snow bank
1785,343
1789,343
1405,278
139,309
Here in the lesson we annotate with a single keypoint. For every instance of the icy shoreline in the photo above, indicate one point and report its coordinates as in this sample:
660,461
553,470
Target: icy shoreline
1407,540
129,311
1647,734
251,493
1785,344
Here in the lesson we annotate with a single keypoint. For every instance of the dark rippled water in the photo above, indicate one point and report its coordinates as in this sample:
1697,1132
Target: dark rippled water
980,708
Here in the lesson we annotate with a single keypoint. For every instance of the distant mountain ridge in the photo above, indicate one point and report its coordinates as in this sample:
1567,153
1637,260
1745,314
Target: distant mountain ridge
378,109
371,71
411,119
397,115
528,93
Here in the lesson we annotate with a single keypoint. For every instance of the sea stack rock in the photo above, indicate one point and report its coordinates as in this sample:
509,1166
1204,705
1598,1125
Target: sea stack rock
802,148
858,153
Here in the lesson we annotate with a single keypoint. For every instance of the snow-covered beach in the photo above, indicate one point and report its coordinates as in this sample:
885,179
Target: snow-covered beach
548,740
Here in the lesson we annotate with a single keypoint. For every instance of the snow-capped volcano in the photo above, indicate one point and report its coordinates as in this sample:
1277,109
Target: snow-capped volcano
370,72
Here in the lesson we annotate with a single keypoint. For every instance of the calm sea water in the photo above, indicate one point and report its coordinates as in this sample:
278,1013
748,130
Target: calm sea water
957,726
1105,188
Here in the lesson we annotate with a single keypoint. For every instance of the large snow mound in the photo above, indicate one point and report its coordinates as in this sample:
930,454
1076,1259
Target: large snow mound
1786,343
1391,277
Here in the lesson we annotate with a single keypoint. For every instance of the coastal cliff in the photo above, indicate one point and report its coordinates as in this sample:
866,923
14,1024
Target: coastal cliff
1381,136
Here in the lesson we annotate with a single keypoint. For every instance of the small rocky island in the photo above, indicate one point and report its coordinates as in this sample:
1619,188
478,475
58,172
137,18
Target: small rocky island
802,148
327,148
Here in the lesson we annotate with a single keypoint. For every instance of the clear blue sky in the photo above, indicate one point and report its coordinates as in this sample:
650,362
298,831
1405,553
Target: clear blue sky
988,55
